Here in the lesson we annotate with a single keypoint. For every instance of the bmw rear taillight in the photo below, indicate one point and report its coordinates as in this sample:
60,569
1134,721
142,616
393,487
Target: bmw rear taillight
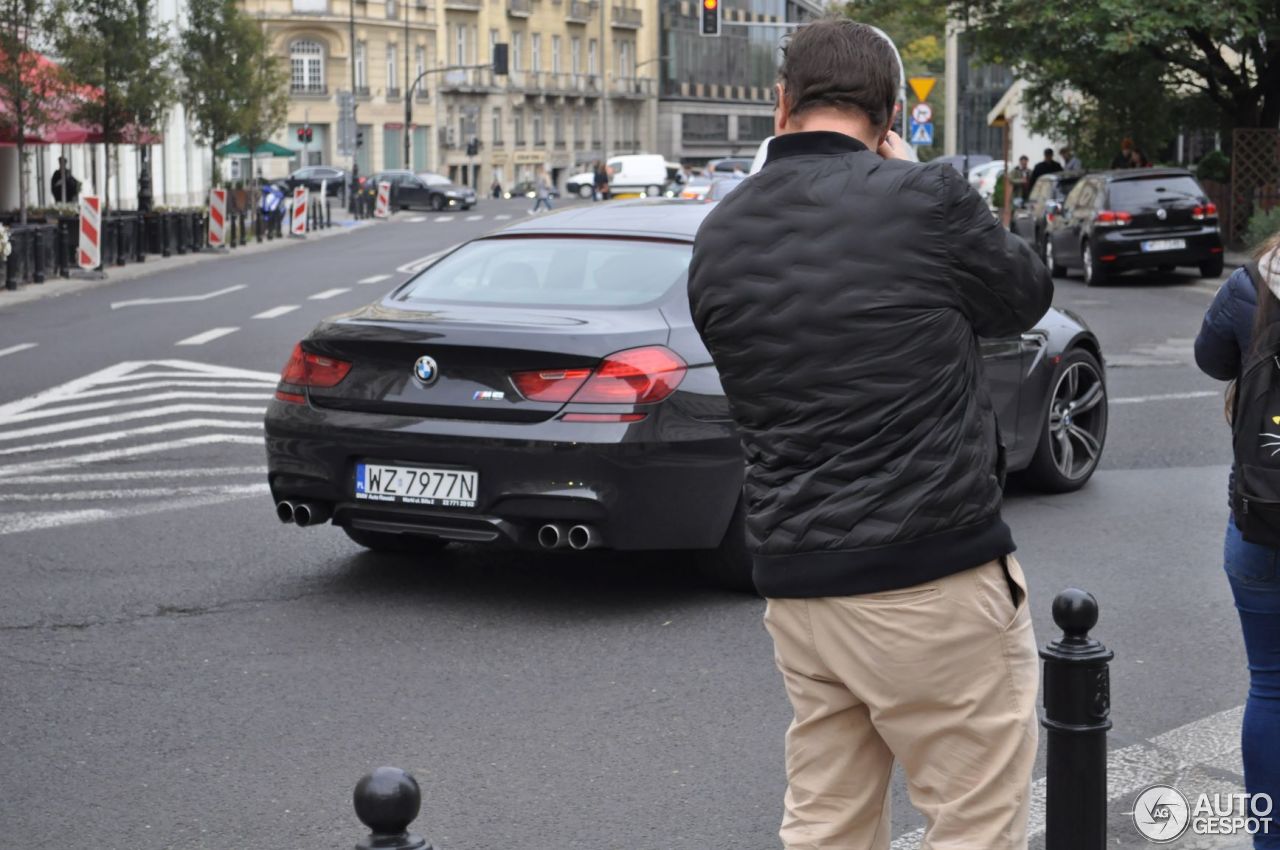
1113,217
635,376
305,369
1204,211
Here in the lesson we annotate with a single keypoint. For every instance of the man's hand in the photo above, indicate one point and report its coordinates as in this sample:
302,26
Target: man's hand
894,148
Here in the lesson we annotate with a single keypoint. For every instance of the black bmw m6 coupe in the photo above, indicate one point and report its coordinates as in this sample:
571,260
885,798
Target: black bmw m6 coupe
544,386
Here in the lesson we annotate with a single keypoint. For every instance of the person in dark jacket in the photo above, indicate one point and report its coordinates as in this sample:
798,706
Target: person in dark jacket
65,187
1222,348
841,293
1048,165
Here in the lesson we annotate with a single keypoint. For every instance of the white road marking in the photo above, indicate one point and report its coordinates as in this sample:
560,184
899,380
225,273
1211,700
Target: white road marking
115,418
18,522
416,219
474,217
276,312
176,299
135,492
329,293
1141,399
137,475
113,436
502,217
132,451
443,218
156,385
1130,769
415,266
208,336
14,349
373,278
49,413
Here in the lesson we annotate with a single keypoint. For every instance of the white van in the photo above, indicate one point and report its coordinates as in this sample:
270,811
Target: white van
638,173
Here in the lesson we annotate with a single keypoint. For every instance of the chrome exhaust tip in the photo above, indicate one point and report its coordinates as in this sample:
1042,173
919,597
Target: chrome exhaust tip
310,513
584,537
284,511
552,536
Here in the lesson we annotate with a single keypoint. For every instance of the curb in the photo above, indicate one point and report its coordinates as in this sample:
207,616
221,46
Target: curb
55,287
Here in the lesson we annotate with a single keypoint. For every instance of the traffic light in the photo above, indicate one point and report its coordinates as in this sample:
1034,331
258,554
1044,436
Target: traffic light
710,17
304,134
359,138
500,59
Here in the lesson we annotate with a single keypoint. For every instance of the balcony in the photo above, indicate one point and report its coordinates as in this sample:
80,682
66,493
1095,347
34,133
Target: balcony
362,91
393,93
633,88
468,80
578,12
519,8
317,91
627,18
463,5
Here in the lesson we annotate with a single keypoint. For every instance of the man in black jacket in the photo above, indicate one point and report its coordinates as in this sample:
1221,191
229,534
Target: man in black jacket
841,292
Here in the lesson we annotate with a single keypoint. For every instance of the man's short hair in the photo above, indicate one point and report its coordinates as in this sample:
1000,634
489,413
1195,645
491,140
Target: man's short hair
836,62
1048,151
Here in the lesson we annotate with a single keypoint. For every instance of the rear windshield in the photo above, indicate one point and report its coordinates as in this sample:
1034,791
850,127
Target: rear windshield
1149,191
554,273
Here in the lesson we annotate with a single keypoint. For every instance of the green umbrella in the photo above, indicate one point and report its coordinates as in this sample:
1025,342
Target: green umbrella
266,149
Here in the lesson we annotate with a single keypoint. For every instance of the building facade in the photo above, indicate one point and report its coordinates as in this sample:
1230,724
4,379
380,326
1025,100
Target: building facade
582,80
973,89
716,95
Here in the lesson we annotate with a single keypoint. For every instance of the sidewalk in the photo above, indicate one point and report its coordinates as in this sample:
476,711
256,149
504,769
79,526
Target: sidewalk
54,286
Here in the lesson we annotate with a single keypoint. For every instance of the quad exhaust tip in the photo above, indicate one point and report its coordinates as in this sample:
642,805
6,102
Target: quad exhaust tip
284,510
552,536
310,513
584,537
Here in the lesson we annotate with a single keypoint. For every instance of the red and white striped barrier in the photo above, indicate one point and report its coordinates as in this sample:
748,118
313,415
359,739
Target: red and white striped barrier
299,222
217,217
383,208
90,254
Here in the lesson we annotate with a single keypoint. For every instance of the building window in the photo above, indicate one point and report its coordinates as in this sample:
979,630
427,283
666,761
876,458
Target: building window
392,148
392,9
624,60
307,67
754,128
311,7
393,79
493,42
460,44
497,127
698,127
577,128
362,79
536,49
555,54
595,129
517,124
517,51
557,127
538,137
575,55
419,61
592,57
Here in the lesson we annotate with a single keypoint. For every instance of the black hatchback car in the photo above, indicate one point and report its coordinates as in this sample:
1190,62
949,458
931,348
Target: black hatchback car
1138,218
316,176
544,386
1031,220
425,191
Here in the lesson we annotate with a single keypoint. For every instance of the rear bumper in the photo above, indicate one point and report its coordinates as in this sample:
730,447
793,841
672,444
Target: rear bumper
1123,250
668,482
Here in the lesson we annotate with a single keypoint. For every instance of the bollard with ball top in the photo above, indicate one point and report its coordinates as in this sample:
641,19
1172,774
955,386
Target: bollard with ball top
387,801
1077,709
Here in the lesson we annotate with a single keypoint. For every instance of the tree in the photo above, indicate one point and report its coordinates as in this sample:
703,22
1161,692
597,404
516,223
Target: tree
229,71
29,85
1227,53
117,48
266,99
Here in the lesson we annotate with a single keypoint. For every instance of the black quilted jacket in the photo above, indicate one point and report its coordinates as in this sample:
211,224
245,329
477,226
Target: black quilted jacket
841,297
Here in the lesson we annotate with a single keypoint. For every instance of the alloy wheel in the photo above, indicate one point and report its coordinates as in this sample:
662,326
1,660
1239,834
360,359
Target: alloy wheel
1048,254
1087,258
1077,420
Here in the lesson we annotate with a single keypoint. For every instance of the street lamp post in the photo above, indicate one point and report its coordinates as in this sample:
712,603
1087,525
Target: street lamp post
408,108
355,125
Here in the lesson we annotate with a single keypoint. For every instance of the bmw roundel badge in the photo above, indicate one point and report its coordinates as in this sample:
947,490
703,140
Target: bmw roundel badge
426,370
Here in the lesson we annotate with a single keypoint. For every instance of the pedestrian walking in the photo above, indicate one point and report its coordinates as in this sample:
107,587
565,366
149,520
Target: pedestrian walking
495,189
1020,178
1070,162
842,294
65,188
1048,165
542,193
1238,341
1122,159
601,179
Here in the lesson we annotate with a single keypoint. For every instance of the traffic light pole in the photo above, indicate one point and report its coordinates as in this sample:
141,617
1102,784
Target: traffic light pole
408,96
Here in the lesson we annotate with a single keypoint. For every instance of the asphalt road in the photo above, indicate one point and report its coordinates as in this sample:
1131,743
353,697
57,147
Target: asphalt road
181,671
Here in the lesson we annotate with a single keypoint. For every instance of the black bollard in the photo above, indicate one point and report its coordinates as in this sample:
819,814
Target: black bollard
387,801
1077,709
37,271
244,237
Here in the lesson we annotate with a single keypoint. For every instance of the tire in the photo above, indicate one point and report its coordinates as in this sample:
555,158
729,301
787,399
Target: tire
437,203
1053,468
403,544
729,567
654,191
1046,254
1213,267
1094,274
586,192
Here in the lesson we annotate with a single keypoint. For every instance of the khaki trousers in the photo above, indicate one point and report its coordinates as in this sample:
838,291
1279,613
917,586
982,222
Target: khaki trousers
942,677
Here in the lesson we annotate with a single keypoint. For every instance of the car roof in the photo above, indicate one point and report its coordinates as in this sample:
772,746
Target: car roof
664,218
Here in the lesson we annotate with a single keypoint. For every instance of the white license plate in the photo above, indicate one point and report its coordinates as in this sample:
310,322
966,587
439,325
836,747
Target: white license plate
1164,245
417,485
